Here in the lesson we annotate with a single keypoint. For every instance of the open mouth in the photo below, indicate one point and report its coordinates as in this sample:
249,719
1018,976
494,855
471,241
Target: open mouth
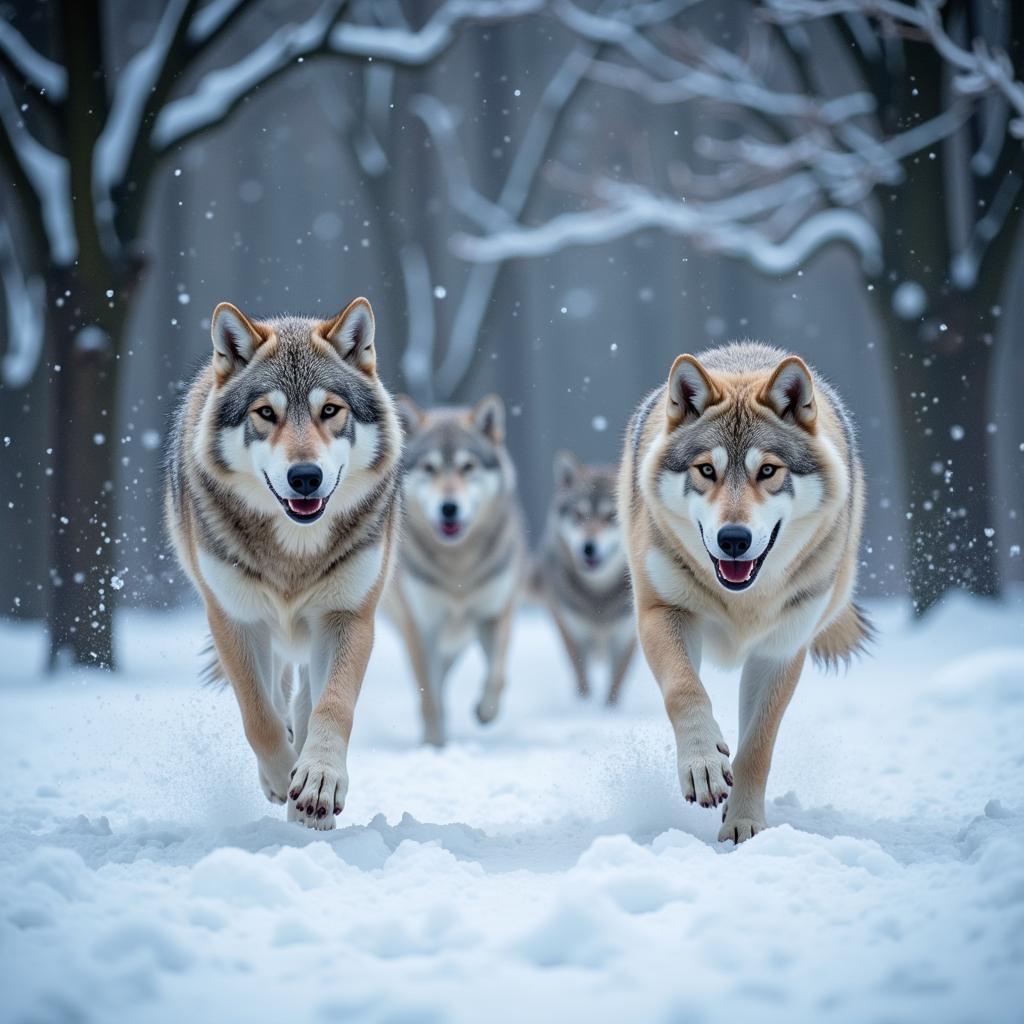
739,574
449,530
302,510
592,562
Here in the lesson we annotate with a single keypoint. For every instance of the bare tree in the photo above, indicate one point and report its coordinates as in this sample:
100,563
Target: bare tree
891,127
82,143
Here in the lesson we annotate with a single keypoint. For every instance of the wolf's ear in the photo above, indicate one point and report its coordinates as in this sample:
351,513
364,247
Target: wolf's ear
351,335
567,468
790,393
488,417
235,339
690,391
410,415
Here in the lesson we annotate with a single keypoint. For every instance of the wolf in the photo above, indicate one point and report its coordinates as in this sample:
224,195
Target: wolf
463,553
741,495
581,572
283,503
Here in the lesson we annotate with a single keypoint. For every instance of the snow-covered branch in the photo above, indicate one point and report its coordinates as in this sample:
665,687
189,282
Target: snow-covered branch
980,69
24,296
727,226
39,72
48,175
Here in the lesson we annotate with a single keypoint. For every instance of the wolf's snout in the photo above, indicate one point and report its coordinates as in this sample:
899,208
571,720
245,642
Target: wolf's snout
734,541
449,511
589,549
304,478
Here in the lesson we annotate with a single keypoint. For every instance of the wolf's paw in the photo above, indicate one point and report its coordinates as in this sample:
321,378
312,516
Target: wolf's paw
705,773
487,709
739,829
275,774
317,793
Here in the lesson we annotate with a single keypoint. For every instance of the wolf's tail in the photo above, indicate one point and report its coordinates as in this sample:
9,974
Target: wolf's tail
849,633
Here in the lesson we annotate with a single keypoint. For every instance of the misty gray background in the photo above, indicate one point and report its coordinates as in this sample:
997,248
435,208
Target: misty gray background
274,214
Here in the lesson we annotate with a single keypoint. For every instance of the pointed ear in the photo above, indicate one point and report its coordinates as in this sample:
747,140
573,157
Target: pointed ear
690,391
410,415
351,333
567,468
235,339
789,393
488,417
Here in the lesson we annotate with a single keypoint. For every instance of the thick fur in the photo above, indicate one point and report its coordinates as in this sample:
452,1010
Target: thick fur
581,572
284,595
693,471
451,589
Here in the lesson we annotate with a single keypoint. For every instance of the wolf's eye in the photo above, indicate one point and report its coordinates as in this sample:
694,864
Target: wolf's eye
328,411
265,412
429,468
766,471
707,470
466,468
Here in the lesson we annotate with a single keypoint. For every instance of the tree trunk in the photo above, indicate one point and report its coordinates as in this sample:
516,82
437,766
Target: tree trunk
83,442
942,375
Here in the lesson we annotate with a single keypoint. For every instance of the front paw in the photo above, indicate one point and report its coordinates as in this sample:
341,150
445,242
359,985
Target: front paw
487,709
275,773
738,828
317,793
705,773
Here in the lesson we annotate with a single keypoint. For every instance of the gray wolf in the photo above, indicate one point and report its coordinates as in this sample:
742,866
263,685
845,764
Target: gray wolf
283,502
462,558
741,495
581,572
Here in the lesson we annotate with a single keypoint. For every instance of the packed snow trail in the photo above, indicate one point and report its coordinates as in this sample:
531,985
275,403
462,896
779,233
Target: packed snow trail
545,869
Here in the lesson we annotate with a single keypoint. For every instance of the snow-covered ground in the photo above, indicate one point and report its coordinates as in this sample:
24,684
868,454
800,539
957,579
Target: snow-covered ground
546,869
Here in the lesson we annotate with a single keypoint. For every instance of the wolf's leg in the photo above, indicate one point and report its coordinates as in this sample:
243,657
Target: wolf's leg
621,648
428,674
320,777
301,709
281,693
494,636
245,655
576,656
765,691
669,639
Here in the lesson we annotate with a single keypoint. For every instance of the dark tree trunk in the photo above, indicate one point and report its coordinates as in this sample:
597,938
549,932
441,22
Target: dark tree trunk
83,440
942,376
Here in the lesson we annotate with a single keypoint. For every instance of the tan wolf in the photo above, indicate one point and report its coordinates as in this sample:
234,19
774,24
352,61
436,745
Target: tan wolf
462,558
581,572
741,494
284,506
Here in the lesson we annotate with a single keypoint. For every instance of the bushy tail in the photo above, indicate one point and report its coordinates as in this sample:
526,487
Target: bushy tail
846,635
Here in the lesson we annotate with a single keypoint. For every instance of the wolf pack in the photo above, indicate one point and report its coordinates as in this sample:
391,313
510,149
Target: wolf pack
302,498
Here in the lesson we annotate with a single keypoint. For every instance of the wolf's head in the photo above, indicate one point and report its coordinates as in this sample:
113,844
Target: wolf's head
583,516
456,465
743,466
296,409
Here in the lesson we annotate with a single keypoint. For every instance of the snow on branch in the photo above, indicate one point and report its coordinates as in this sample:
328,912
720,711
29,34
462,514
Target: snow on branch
39,72
726,226
980,69
221,90
25,298
49,176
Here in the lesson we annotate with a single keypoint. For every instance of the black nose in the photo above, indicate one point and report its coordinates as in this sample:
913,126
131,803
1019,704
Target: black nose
449,510
734,541
589,549
304,478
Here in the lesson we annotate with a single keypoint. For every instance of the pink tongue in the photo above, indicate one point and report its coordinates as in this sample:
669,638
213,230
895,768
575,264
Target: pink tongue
735,572
305,506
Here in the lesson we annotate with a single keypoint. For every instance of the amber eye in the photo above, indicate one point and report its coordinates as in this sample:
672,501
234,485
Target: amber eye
707,470
265,412
766,471
328,411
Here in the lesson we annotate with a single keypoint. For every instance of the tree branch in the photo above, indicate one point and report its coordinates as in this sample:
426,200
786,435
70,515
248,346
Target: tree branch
39,73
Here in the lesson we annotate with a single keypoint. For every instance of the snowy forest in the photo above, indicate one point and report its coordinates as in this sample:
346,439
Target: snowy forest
548,200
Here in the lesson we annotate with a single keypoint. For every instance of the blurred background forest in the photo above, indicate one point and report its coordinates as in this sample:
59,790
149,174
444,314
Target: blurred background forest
545,199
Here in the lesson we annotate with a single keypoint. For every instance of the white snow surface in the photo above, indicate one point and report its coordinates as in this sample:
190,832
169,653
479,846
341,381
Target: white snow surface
545,869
